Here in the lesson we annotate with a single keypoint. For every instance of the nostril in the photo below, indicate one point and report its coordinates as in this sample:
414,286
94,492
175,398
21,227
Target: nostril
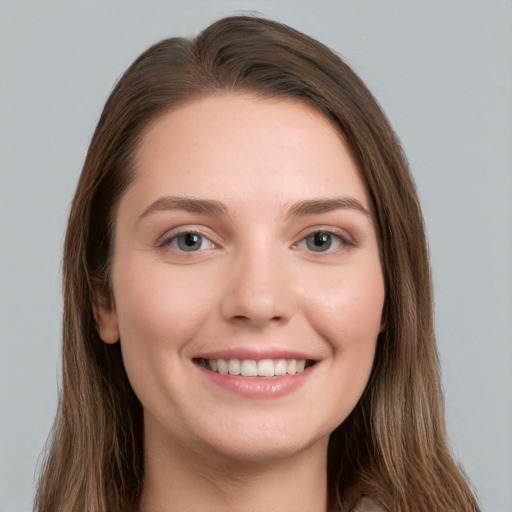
246,318
244,306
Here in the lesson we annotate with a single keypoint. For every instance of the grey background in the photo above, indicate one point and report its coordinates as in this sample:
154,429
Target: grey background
441,69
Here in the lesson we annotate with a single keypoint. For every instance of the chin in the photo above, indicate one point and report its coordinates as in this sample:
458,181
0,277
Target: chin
262,442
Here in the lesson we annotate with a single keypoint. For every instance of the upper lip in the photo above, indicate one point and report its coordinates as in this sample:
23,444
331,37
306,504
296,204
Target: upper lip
256,353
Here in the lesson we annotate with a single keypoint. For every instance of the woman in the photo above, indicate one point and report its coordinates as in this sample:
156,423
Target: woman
248,311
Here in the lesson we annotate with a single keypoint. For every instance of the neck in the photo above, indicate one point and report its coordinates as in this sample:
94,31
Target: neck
186,481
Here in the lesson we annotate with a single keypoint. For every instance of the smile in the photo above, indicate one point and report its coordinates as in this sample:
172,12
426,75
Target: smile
255,368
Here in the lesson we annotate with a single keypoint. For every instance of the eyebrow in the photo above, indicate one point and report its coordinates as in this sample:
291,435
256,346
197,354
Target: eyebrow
216,208
324,205
188,204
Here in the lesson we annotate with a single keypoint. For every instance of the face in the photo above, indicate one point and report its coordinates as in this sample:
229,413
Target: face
248,290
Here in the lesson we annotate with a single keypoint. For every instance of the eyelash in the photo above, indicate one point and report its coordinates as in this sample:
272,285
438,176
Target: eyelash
168,239
343,240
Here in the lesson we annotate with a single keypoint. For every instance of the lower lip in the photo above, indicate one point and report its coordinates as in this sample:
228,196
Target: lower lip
258,387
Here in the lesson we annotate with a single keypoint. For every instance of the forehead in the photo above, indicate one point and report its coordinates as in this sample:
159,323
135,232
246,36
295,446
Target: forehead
246,144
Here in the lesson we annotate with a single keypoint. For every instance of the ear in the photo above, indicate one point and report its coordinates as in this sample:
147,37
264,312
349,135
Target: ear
106,320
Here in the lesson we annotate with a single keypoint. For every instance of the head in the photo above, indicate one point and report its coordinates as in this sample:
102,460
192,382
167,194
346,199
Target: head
269,61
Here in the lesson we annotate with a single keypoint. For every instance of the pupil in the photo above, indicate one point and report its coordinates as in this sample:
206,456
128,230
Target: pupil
320,242
189,241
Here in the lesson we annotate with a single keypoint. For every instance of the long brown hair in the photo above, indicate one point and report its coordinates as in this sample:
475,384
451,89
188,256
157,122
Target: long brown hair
394,442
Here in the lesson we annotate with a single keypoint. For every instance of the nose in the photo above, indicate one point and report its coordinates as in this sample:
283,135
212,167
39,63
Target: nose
259,291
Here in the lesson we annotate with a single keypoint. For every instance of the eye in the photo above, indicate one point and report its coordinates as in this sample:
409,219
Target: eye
323,242
189,241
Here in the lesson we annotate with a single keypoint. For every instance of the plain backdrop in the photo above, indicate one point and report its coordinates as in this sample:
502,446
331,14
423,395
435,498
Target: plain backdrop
442,71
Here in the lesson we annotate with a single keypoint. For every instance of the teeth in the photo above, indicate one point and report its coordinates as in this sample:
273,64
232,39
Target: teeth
266,368
280,367
253,368
234,367
248,368
222,366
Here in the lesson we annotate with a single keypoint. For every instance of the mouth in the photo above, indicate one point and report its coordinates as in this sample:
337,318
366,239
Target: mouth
255,367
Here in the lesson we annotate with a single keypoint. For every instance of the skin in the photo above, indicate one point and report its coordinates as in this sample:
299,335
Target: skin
254,284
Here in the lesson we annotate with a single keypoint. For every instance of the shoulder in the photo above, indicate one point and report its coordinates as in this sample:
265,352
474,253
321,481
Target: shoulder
367,503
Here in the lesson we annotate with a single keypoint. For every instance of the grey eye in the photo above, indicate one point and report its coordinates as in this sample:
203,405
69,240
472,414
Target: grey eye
190,242
320,241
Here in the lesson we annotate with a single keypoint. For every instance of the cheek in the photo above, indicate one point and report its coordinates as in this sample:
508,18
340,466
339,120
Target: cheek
154,298
348,315
158,311
347,312
348,308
